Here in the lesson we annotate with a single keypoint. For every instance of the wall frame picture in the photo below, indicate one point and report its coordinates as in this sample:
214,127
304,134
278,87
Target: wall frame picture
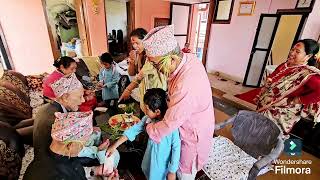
161,22
222,11
305,4
246,8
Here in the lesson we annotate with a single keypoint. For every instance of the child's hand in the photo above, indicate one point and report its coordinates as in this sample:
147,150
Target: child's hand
104,145
114,175
171,176
99,85
111,150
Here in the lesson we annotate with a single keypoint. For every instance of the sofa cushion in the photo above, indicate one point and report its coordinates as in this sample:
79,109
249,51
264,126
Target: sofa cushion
17,79
14,98
13,108
37,100
35,81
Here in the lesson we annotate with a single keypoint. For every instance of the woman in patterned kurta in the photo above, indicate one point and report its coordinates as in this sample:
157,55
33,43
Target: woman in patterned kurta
293,90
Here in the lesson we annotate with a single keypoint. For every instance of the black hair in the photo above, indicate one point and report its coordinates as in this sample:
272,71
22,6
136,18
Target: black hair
106,58
156,98
310,47
65,61
139,32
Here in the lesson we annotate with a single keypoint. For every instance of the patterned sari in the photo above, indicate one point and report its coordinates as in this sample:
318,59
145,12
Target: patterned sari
273,98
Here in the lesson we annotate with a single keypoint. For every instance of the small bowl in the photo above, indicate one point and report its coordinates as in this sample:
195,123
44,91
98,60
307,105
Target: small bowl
122,106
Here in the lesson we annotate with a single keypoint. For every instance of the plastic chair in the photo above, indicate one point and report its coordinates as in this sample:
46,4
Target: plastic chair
257,136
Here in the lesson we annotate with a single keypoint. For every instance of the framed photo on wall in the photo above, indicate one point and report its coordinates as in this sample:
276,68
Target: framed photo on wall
222,11
246,8
305,4
161,22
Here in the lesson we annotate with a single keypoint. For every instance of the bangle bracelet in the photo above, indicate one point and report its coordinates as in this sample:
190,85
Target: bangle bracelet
127,91
135,82
136,79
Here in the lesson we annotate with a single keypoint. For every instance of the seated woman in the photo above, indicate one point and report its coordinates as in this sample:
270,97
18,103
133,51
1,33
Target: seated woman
65,67
52,159
292,91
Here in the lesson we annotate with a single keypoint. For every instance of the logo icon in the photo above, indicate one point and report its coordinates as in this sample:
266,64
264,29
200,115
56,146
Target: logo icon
293,147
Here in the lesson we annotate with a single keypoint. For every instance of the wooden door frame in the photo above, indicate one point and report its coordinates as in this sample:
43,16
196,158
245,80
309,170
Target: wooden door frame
132,17
208,31
82,17
53,42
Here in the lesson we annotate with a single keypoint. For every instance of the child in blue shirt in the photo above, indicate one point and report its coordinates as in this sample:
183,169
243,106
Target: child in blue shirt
160,161
109,78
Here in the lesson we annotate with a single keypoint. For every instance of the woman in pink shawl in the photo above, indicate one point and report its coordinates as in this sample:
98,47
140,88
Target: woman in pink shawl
66,66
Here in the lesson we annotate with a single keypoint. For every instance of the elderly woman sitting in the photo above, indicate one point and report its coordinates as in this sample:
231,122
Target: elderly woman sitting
292,91
53,158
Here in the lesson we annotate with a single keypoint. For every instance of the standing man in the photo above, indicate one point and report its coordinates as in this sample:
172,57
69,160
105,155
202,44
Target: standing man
190,106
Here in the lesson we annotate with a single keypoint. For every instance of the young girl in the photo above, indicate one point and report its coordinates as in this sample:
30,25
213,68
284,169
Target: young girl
109,78
75,131
161,160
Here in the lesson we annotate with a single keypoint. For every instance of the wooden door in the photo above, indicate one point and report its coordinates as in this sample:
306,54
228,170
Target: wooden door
53,38
83,31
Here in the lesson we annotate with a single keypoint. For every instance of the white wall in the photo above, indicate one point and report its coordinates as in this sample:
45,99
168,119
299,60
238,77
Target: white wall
116,13
230,44
312,26
25,30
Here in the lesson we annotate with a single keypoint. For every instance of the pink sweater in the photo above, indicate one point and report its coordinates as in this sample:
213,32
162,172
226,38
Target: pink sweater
191,110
